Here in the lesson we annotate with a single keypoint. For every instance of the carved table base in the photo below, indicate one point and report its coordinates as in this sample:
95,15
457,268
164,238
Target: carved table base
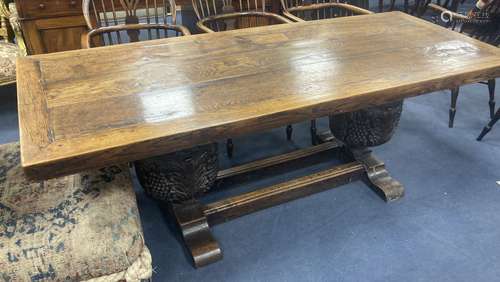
194,219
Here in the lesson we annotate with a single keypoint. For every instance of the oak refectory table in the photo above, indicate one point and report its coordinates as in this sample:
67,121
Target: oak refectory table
162,104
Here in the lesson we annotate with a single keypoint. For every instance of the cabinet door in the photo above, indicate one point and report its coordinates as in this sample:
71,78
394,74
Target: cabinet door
53,34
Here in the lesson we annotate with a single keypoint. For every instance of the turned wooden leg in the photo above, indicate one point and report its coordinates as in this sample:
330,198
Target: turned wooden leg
289,131
196,233
229,147
488,127
314,134
491,88
178,179
393,2
453,106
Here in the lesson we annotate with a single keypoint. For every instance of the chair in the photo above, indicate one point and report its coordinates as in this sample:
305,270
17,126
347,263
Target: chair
476,28
131,21
83,227
299,11
393,3
215,16
9,50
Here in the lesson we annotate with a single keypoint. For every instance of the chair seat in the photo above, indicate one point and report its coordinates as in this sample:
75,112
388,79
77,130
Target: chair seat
80,227
8,54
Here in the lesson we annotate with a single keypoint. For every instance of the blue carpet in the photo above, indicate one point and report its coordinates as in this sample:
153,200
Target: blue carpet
444,229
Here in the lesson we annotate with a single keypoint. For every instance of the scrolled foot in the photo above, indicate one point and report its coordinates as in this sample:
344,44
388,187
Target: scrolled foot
198,239
378,176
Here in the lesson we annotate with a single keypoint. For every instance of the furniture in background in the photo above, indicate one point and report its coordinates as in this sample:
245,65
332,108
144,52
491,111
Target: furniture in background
393,4
74,228
475,28
53,26
214,16
111,23
5,29
191,91
489,126
9,51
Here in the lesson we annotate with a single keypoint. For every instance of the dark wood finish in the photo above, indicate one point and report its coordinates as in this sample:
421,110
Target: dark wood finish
195,218
76,112
198,239
237,206
277,160
488,127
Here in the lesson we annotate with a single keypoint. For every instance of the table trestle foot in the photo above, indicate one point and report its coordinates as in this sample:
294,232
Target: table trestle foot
377,175
198,239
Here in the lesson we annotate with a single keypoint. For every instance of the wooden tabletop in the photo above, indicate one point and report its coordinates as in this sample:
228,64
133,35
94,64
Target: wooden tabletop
91,108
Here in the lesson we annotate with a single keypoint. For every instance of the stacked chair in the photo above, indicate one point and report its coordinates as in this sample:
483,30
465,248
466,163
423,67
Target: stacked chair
215,16
475,28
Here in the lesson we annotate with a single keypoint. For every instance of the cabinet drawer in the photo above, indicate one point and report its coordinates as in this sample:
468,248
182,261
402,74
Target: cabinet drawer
44,8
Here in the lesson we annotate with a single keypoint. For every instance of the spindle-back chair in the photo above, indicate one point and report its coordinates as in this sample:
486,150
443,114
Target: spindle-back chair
214,15
484,27
299,10
222,15
121,21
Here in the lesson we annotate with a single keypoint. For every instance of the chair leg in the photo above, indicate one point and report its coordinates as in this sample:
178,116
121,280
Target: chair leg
491,88
229,147
488,127
314,135
380,6
289,131
393,3
453,107
406,6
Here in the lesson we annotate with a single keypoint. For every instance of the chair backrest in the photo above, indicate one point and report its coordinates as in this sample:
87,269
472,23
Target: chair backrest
118,34
483,25
102,13
207,8
320,9
123,21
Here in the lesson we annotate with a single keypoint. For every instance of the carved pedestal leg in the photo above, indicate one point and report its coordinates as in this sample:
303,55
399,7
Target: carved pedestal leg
365,128
378,176
178,179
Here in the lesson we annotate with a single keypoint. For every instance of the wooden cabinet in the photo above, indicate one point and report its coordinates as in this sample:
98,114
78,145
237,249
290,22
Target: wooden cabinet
51,25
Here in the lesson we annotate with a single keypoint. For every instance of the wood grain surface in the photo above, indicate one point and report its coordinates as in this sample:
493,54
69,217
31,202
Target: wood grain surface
91,108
